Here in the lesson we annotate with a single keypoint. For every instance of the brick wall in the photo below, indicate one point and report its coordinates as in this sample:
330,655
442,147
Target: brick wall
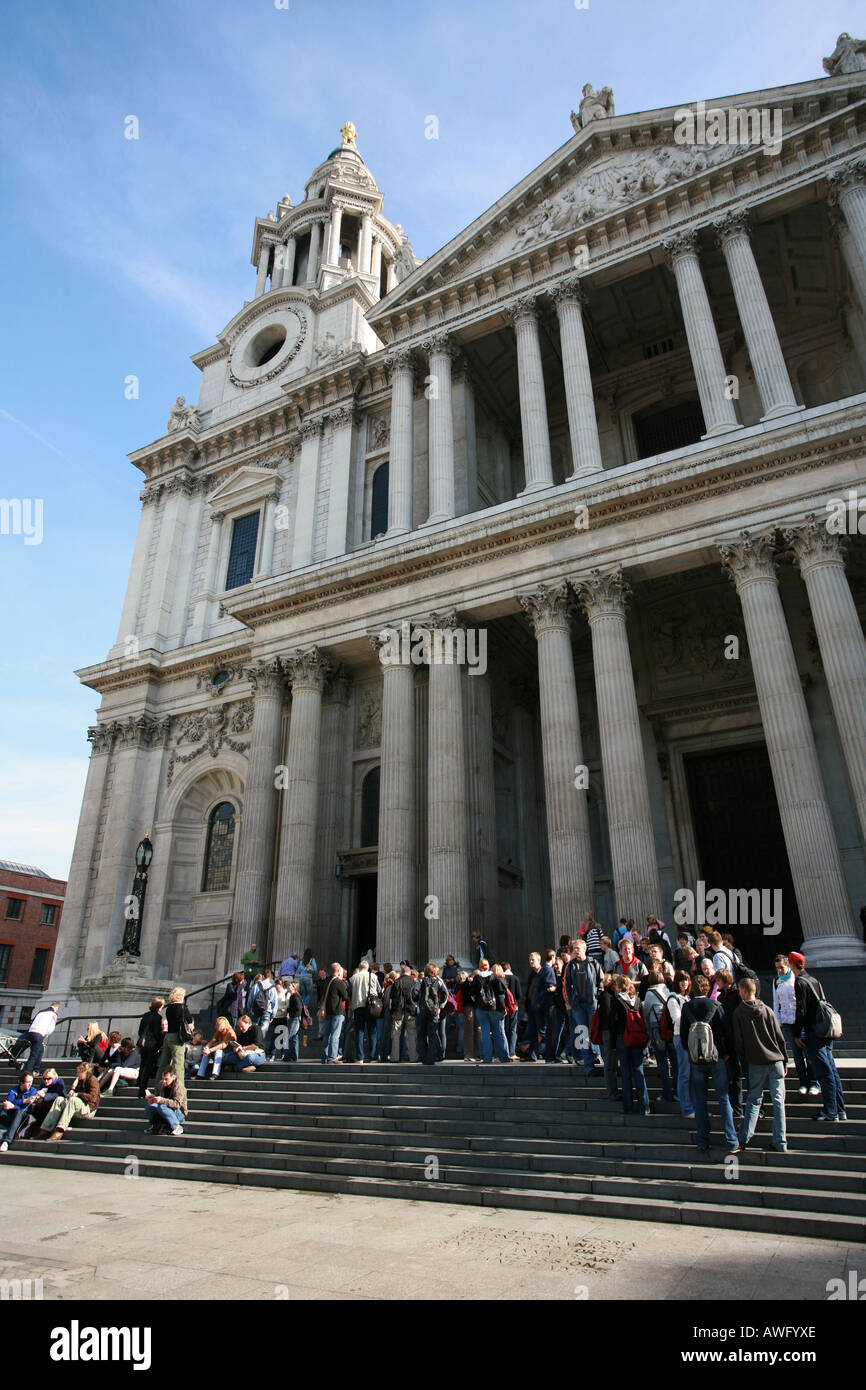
23,935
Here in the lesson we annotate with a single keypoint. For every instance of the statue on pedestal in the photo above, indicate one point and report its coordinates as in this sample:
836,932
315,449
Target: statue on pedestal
849,55
594,106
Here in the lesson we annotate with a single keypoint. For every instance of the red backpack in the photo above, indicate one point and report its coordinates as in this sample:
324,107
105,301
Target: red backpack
510,1005
634,1033
666,1028
595,1028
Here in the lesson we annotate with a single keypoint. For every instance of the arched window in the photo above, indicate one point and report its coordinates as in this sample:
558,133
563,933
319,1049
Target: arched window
217,874
379,507
370,808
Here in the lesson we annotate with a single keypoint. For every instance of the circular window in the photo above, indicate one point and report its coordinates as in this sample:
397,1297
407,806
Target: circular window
264,349
265,345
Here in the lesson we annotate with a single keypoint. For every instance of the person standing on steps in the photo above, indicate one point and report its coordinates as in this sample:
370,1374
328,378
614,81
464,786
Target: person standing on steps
432,998
703,1036
250,962
178,1032
625,1016
403,1013
759,1039
480,949
364,986
785,1009
332,1012
809,994
294,1014
674,1006
584,980
35,1036
151,1029
607,1033
489,995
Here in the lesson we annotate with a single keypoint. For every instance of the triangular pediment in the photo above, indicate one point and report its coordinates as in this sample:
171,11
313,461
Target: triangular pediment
248,484
611,166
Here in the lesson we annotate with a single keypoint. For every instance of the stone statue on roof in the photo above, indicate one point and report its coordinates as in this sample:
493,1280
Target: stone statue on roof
348,136
849,55
594,106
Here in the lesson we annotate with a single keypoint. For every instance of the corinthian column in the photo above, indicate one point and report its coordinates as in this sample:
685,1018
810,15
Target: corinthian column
255,869
848,195
300,790
570,301
400,469
447,839
603,598
719,414
441,446
571,878
533,405
843,648
396,926
762,340
825,913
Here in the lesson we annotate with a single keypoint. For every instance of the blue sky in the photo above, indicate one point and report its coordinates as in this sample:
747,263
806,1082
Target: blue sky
124,256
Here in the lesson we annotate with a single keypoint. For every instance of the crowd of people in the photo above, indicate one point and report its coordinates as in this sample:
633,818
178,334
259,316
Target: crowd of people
615,1005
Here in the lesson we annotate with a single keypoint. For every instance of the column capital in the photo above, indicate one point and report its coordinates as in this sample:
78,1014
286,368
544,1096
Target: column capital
731,224
845,179
440,345
440,622
311,428
101,736
307,670
344,415
525,307
399,359
151,493
748,558
548,607
681,244
266,676
568,291
603,595
812,544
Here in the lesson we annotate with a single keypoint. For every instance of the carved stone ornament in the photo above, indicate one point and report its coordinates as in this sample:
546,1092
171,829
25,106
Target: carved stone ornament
732,224
248,378
307,669
680,244
218,679
812,544
399,359
748,558
379,433
843,181
594,106
138,731
330,350
369,725
266,677
525,307
684,636
568,291
183,417
848,56
603,595
404,261
548,607
212,731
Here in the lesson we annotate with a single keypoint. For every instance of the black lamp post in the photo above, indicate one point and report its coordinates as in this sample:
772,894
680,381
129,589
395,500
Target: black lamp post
135,902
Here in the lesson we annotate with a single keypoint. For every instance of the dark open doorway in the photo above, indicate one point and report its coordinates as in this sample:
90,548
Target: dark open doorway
364,927
740,844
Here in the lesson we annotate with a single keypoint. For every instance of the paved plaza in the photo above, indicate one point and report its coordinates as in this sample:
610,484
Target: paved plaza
122,1238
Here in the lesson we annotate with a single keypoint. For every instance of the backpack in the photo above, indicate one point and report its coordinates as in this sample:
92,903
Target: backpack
148,1040
510,1005
634,1033
595,1028
429,997
666,1027
306,1017
702,1045
828,1021
486,992
260,1003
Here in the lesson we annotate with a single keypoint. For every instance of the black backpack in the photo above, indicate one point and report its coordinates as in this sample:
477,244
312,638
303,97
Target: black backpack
148,1036
429,997
486,992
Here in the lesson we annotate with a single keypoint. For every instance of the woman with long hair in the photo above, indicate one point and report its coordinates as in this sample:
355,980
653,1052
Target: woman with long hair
178,1030
223,1034
93,1044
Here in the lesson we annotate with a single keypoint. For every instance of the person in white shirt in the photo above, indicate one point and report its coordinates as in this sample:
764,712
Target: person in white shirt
785,1009
38,1030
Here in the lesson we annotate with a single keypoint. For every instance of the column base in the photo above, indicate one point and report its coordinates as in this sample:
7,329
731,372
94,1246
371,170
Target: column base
778,410
720,429
589,470
438,516
536,487
394,531
829,951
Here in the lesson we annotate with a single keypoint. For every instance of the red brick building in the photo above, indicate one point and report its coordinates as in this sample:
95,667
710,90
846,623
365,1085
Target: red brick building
31,904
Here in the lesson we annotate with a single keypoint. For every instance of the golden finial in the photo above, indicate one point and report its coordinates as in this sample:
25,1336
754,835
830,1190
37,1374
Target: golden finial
347,136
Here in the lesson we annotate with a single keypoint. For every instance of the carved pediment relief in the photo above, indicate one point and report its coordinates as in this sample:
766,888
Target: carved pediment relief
249,484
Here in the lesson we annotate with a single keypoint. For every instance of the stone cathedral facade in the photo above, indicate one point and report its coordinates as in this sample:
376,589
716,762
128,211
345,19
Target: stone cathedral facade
601,433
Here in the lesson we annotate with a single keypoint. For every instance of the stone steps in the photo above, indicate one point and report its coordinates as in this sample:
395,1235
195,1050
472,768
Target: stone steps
518,1136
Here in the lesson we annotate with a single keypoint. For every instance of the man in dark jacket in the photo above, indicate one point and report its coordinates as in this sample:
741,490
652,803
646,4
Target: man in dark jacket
808,993
535,1004
479,949
584,979
546,991
151,1029
759,1040
403,1014
699,1015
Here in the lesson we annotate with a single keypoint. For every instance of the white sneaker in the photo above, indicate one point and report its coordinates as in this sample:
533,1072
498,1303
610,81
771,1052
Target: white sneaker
3,1147
804,1090
175,1133
813,1090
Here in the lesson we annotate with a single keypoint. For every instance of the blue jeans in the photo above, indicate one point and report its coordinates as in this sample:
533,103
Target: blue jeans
427,1040
510,1025
173,1118
332,1027
631,1066
36,1043
666,1057
293,1028
534,1031
581,1017
762,1078
382,1047
684,1079
13,1120
365,1027
206,1057
490,1023
805,1074
237,1063
700,1085
820,1054
554,1029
